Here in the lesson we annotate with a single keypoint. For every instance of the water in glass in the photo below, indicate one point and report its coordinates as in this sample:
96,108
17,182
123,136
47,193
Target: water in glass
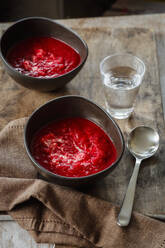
121,85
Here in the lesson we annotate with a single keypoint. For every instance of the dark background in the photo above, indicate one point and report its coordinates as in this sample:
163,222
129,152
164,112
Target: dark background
12,10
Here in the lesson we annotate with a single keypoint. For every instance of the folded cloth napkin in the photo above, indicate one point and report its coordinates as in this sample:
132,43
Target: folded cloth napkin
60,215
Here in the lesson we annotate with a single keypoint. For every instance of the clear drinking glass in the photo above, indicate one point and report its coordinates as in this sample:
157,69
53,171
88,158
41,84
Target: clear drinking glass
121,75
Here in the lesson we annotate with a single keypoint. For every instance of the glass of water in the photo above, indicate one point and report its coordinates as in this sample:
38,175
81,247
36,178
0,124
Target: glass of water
121,75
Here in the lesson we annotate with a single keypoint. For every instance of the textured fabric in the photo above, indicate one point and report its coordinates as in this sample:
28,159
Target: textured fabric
60,215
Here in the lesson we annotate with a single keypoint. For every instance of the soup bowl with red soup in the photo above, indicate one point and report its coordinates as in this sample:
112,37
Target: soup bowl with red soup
41,54
72,141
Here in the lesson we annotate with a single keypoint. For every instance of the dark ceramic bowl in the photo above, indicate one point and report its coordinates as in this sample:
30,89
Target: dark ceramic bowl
73,106
39,26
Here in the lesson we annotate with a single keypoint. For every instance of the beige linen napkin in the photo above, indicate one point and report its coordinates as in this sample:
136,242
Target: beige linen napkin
60,215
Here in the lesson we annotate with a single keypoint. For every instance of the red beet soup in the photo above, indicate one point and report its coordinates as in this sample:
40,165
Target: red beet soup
73,147
43,57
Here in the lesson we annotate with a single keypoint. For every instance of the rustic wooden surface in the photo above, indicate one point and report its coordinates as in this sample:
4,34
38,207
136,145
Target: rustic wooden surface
148,111
104,39
12,236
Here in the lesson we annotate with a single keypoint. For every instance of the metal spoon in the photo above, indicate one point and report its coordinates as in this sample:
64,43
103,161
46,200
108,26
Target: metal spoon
142,142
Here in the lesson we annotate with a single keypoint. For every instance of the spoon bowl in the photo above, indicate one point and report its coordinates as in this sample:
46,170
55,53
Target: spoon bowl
142,143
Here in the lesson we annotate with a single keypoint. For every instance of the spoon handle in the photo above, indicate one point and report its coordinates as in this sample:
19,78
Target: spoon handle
126,209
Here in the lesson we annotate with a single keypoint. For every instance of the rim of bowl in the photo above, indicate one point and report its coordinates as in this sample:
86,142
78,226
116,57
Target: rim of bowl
52,21
64,177
122,54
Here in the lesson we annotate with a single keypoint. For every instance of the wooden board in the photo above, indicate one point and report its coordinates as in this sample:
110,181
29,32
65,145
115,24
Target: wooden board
16,101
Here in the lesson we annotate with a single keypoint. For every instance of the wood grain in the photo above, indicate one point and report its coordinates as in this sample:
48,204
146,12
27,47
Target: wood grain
12,236
148,111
